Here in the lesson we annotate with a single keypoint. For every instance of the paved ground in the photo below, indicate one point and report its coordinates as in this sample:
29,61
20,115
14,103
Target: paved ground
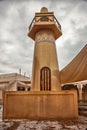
80,124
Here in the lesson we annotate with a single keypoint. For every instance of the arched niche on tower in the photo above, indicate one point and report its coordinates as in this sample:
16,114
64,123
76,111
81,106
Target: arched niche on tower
45,79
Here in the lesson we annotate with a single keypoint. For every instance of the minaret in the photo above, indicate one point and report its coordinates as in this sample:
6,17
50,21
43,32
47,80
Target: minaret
44,30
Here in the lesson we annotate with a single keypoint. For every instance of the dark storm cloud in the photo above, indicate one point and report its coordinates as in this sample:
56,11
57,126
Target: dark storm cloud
16,49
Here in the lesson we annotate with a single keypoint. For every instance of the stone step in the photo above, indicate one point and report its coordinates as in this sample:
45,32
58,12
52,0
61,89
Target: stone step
83,113
82,104
82,109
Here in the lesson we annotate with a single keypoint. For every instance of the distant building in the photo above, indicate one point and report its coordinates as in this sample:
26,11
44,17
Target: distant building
80,86
14,82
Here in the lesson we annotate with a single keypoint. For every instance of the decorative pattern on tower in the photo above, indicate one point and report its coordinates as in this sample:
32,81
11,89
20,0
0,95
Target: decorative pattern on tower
45,36
44,30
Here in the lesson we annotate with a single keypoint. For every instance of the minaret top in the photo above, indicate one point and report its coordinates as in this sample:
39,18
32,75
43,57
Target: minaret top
44,20
44,10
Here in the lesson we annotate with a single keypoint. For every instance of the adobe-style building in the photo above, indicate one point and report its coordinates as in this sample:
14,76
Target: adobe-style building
80,87
14,82
46,100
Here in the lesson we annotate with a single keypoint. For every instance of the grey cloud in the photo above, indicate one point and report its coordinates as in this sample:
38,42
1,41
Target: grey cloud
82,34
85,0
15,46
68,52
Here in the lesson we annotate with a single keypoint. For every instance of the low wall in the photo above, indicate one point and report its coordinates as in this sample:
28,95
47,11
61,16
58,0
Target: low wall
40,105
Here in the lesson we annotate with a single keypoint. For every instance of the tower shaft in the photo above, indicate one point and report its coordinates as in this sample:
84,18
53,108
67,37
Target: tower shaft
44,30
45,65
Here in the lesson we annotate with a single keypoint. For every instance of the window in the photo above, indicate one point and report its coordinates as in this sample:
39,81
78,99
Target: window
44,18
20,88
45,79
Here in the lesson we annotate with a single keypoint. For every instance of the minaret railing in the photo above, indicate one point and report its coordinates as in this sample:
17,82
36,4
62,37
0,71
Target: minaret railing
45,19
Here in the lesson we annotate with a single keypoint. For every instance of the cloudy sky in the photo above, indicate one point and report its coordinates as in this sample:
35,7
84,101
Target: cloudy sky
16,48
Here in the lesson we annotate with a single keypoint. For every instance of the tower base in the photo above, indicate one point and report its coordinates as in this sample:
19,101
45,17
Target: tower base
40,105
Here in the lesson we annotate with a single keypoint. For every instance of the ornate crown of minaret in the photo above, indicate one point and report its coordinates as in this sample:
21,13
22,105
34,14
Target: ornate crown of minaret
44,30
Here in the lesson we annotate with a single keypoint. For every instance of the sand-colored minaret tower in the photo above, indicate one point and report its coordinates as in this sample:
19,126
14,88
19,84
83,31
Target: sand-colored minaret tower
45,101
45,29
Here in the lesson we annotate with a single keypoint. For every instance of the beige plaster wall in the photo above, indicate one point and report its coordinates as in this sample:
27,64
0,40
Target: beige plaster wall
40,105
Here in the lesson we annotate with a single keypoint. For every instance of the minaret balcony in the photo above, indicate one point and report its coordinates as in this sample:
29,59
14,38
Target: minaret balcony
44,22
